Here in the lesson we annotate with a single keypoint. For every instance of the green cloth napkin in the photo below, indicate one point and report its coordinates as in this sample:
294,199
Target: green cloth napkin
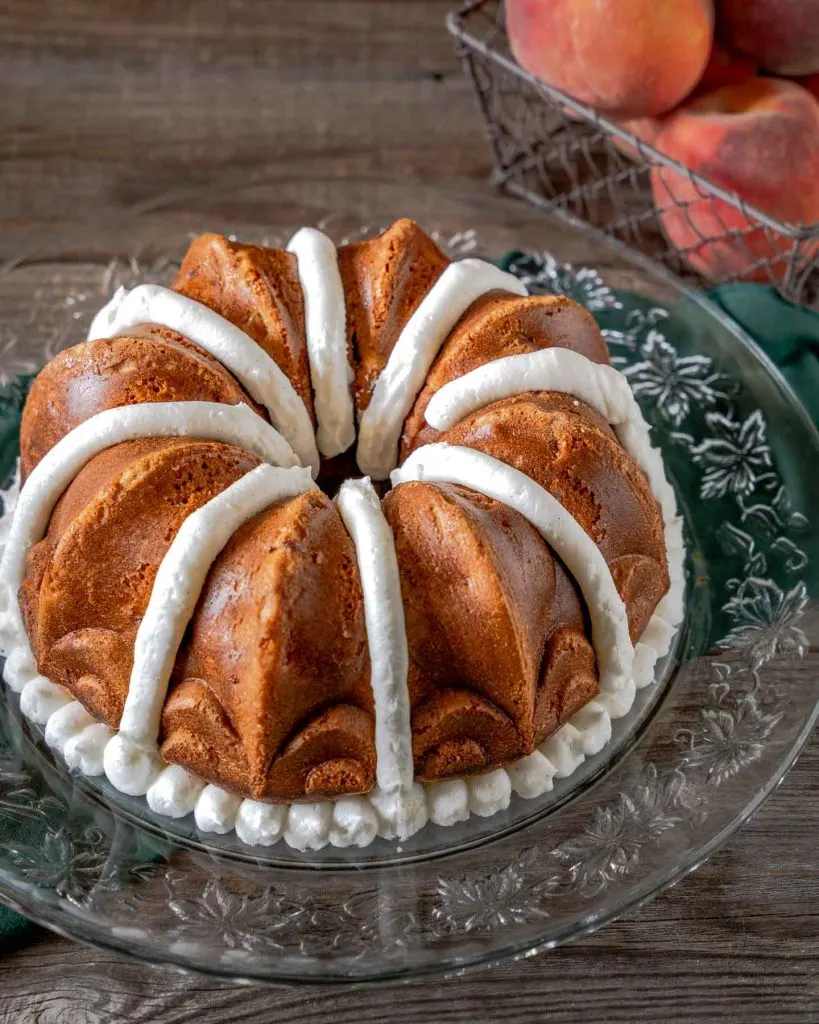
12,928
788,334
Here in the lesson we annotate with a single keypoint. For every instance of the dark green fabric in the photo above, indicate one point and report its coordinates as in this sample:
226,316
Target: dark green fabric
788,334
12,928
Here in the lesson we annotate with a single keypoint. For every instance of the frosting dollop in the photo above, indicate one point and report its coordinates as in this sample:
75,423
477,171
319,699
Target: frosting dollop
448,802
490,793
216,810
259,824
308,826
84,751
40,698
532,776
174,792
355,822
65,723
131,768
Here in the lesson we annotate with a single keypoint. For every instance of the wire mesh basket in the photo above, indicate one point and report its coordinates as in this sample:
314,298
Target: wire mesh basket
562,156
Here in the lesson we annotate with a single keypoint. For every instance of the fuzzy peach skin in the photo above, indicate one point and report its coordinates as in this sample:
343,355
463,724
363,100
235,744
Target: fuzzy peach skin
646,129
627,58
759,139
723,68
781,35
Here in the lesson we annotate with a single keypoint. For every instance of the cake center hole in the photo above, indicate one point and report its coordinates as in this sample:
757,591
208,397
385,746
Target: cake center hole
343,467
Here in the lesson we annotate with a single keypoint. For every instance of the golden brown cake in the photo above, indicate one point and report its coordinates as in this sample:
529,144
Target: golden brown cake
272,693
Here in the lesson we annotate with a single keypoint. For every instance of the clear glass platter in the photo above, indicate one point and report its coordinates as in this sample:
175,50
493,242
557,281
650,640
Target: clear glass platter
733,704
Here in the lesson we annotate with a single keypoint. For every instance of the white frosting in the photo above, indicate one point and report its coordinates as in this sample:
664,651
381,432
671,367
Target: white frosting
174,792
255,370
84,751
607,391
66,723
400,813
308,826
40,698
178,584
490,793
131,767
565,750
532,776
593,722
364,518
658,634
448,802
325,329
355,822
609,622
417,346
19,669
259,824
216,810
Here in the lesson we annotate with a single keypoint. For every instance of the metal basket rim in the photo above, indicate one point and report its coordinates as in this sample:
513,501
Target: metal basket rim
456,24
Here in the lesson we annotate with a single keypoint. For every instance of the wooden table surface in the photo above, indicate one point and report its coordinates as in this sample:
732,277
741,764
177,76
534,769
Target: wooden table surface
357,105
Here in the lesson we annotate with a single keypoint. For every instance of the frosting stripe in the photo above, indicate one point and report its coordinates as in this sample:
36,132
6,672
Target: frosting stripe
325,323
558,369
131,758
417,346
361,512
179,581
607,391
255,370
237,425
456,465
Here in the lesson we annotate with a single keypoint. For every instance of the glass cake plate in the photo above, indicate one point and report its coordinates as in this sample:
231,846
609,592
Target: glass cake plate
732,705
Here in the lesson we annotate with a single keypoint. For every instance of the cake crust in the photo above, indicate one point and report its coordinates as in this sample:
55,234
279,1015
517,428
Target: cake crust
271,694
257,289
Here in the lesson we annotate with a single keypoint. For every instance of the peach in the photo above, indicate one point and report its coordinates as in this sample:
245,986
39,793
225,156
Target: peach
781,35
646,129
759,139
627,58
724,68
811,83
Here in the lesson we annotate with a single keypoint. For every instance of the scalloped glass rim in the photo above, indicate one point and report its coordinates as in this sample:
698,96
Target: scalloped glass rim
608,841
27,904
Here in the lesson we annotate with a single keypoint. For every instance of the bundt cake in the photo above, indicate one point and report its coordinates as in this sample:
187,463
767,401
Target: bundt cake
196,609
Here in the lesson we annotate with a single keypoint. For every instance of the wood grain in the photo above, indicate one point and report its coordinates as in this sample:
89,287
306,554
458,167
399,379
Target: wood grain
357,105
